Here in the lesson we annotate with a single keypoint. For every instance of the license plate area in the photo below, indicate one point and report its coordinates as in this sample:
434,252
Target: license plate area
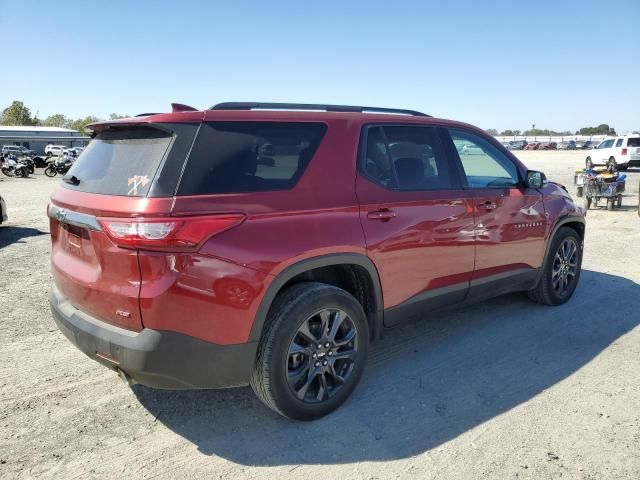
74,238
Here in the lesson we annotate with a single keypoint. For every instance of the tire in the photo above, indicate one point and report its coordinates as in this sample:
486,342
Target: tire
619,202
50,171
546,291
588,202
589,163
286,360
579,192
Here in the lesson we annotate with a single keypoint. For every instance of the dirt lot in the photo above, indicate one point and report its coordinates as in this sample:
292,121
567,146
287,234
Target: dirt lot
504,389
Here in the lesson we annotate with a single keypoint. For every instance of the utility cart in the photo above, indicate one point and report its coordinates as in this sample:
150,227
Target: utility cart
601,187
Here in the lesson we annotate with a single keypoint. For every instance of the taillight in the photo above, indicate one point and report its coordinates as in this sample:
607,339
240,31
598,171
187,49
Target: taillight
624,151
166,233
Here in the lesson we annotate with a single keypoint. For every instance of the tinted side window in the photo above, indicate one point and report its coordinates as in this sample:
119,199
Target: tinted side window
233,157
484,165
619,142
633,142
404,157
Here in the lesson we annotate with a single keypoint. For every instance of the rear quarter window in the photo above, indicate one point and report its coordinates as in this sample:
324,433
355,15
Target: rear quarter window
235,157
633,142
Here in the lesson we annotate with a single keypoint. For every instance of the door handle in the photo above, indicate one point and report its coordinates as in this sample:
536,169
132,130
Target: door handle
488,205
383,214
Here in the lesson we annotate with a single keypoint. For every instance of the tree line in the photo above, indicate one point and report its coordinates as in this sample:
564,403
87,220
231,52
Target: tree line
19,114
602,129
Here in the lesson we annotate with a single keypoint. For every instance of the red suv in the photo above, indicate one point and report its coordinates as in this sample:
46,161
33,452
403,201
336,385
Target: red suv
269,244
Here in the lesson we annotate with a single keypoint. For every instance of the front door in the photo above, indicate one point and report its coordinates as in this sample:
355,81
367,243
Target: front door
510,219
417,221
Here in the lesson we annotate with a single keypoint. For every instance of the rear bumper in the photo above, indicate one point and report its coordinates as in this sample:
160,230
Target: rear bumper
157,359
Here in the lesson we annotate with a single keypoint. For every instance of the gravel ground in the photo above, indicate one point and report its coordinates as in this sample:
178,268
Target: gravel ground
504,389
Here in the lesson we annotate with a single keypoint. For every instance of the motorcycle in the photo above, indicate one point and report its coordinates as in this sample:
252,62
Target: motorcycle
13,167
29,163
58,166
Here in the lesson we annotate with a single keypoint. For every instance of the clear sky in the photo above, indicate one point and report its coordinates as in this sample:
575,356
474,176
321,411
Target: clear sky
558,65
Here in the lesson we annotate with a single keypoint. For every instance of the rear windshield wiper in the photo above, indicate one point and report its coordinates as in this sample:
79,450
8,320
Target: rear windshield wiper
72,180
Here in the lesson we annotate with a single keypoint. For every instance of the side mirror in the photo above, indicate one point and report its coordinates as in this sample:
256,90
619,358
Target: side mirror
535,179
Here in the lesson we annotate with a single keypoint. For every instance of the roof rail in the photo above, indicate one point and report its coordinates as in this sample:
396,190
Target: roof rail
312,106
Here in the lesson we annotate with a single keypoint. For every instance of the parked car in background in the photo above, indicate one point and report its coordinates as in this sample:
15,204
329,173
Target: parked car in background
532,146
584,144
618,153
180,259
567,145
27,156
506,145
547,146
468,149
518,144
3,211
18,151
54,150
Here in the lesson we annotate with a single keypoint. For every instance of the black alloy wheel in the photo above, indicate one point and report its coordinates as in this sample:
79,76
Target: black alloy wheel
312,351
561,269
565,266
322,355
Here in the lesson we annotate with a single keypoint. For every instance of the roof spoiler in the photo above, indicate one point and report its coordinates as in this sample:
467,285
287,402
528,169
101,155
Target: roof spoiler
180,107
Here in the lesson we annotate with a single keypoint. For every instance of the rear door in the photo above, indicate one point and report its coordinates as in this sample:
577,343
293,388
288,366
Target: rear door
510,219
417,221
113,177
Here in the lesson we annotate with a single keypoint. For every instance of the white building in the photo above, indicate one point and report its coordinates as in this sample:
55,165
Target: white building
36,138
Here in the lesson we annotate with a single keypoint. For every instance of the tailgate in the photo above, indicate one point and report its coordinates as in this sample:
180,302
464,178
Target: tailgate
91,272
633,145
115,176
94,274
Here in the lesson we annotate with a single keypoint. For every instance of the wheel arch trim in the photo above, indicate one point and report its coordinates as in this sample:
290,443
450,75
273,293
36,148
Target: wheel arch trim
317,262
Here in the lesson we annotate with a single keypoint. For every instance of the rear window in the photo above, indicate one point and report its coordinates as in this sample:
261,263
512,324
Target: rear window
234,157
633,142
121,162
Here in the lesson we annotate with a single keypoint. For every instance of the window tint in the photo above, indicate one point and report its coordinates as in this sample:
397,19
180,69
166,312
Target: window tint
120,162
232,157
619,142
633,142
606,144
484,165
406,158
